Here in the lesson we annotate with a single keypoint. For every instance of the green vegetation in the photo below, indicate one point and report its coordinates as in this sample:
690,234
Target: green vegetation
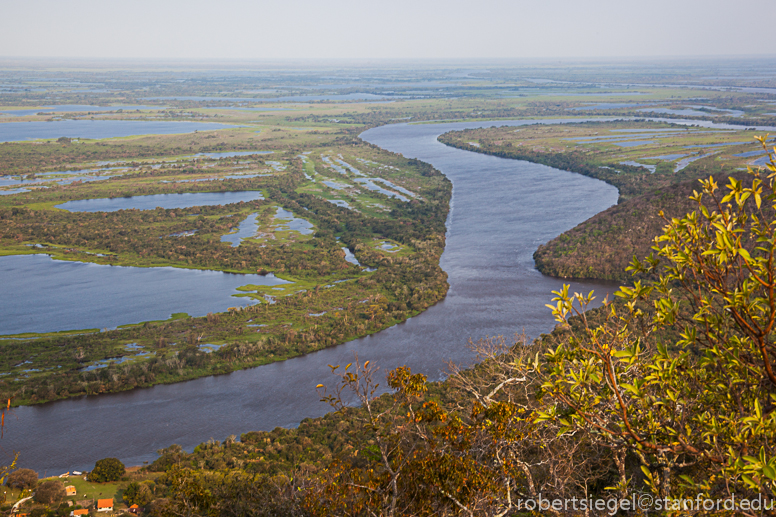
22,479
49,492
329,300
106,470
666,393
669,391
603,246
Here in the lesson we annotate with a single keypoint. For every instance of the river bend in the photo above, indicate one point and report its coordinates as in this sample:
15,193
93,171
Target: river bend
502,210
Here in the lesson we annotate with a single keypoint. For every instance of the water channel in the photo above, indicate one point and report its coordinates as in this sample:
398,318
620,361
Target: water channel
501,211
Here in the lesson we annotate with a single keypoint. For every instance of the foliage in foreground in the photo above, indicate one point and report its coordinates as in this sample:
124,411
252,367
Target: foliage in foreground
616,406
613,406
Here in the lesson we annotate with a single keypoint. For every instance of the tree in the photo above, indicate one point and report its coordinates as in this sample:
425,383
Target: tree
50,492
140,494
22,478
475,452
680,376
107,469
671,389
5,470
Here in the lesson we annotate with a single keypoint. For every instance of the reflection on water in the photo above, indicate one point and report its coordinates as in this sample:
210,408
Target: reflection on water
287,221
18,131
167,201
46,292
502,210
349,257
231,154
247,229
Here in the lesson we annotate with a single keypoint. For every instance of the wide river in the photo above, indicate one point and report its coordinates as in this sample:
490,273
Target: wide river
502,210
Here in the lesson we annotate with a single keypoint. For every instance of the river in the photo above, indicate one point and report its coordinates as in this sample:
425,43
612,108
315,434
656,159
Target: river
502,210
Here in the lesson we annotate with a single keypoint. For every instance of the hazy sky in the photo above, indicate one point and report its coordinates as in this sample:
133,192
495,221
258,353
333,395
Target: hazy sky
261,29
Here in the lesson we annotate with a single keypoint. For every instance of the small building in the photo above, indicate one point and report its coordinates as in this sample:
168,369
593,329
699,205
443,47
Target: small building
69,490
76,513
134,509
104,505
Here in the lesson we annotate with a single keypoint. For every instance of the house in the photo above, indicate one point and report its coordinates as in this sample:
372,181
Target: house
76,513
69,490
104,505
134,509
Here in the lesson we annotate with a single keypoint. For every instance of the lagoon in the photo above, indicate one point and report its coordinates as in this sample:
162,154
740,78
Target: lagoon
70,108
245,230
98,129
167,201
52,295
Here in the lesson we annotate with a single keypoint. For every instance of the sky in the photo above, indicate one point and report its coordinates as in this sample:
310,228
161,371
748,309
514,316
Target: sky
393,29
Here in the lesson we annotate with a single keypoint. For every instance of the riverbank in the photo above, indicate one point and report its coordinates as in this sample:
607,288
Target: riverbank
324,295
655,166
498,218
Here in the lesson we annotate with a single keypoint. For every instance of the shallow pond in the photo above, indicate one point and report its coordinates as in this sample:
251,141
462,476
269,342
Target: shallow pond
650,168
369,184
684,162
682,112
607,106
349,257
13,191
18,131
667,157
68,108
339,202
168,201
52,295
335,185
634,143
247,229
287,221
751,153
229,154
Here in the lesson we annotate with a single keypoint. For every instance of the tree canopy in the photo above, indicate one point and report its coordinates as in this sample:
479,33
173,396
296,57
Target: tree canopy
107,469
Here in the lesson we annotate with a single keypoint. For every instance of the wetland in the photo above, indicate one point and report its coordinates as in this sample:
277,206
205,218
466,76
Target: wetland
235,246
